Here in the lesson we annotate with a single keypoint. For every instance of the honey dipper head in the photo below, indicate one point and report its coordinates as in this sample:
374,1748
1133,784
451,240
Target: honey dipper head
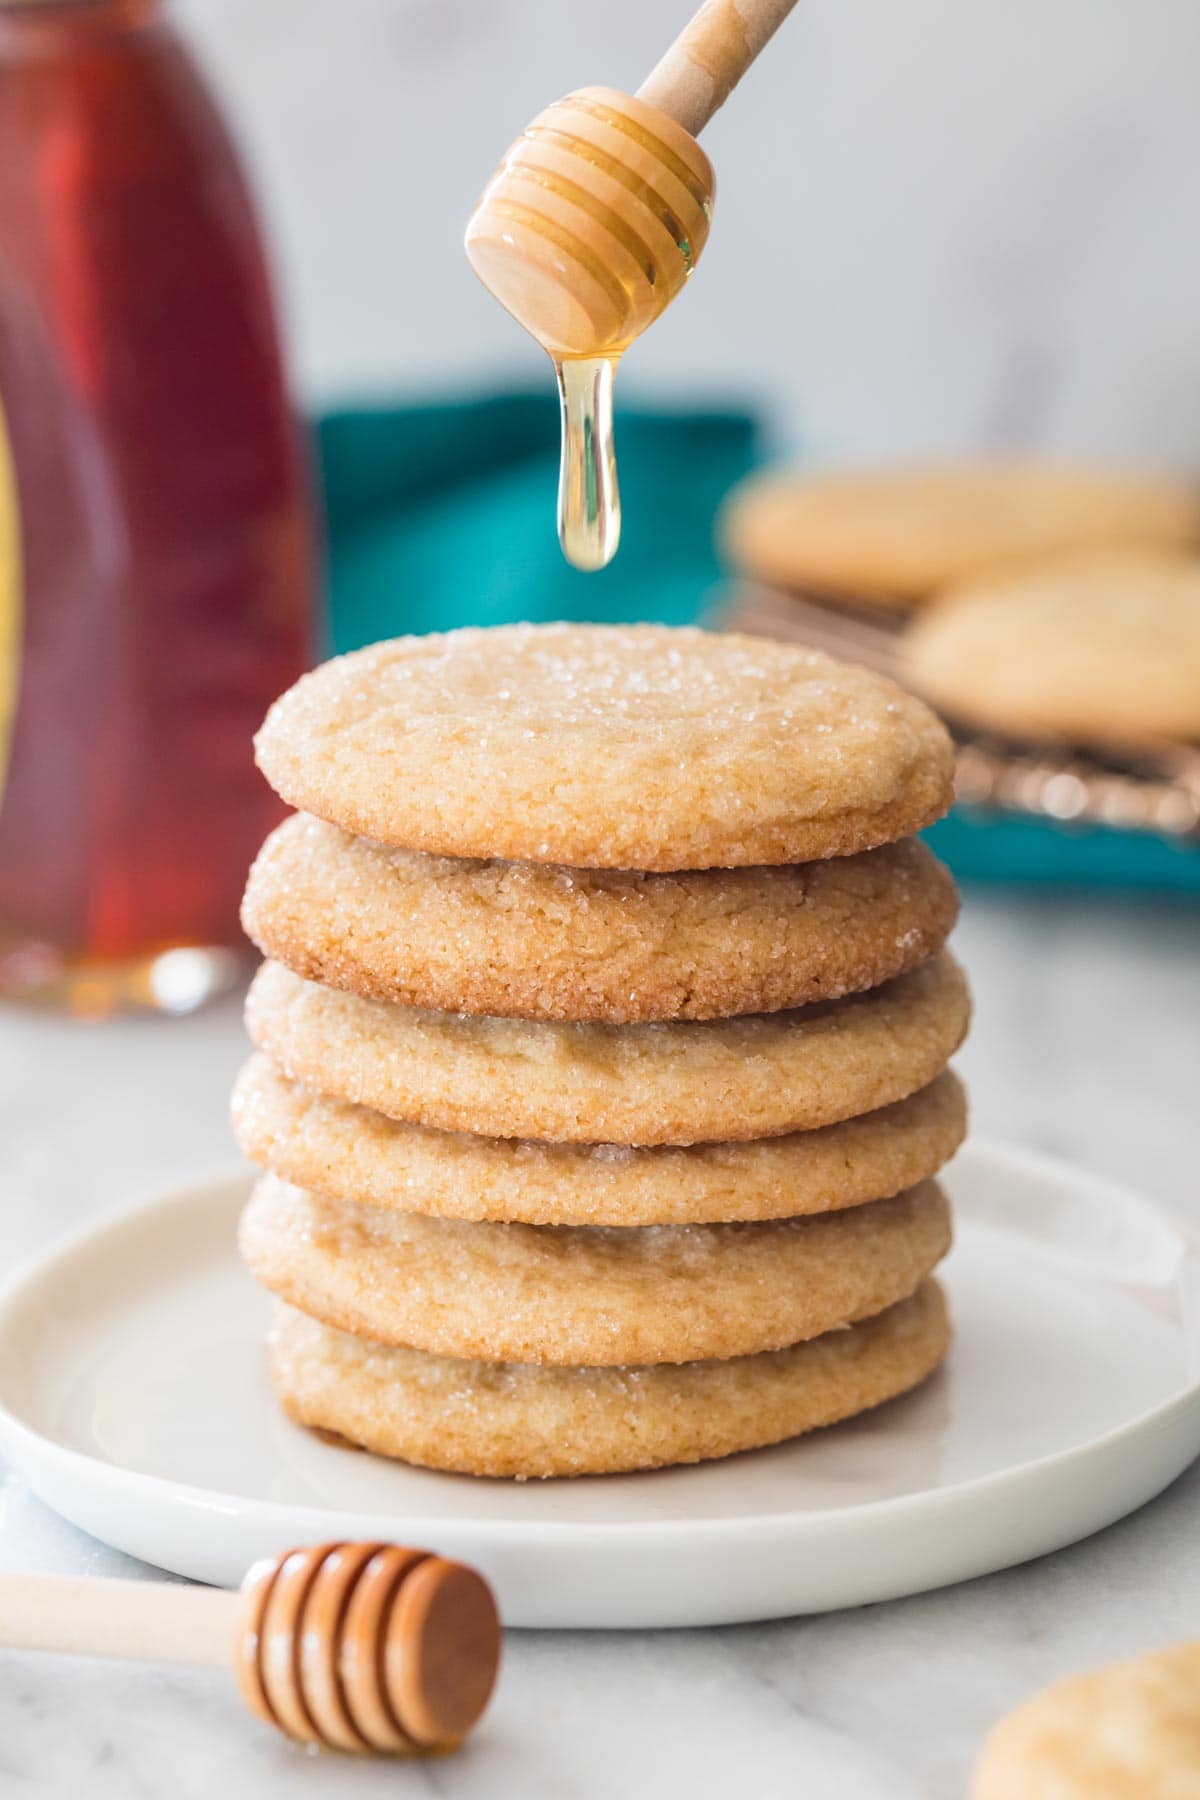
593,222
367,1647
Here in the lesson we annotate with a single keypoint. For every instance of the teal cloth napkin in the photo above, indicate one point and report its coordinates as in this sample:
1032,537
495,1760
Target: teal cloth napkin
1027,852
443,514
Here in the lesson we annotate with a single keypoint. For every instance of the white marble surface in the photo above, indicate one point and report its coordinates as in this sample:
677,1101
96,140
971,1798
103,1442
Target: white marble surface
1085,1043
939,225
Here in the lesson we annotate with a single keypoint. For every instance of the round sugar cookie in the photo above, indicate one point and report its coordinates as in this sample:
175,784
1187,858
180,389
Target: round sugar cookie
1127,1732
352,1153
1090,648
605,746
722,1080
587,1294
486,1418
535,941
895,536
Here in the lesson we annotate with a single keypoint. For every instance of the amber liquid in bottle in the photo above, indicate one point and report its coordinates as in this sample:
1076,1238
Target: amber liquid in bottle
156,559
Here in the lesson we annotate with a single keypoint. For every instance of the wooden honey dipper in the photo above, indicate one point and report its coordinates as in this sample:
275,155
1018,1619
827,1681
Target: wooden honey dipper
592,224
360,1647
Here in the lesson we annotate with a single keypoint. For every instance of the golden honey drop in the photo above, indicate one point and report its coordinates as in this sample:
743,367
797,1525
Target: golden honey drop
589,501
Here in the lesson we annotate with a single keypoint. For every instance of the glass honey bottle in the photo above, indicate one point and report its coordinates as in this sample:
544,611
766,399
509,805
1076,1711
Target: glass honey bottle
156,564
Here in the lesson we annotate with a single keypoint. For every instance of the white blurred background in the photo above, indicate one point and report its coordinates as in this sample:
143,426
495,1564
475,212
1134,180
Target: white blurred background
941,224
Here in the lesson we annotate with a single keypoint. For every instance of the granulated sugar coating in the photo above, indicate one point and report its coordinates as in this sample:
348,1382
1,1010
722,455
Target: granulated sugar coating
486,1418
708,1081
534,940
582,1294
601,1049
355,1154
626,747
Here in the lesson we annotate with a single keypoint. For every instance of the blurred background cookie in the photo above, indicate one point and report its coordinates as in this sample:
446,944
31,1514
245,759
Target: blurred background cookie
1099,648
1049,610
1127,1732
893,537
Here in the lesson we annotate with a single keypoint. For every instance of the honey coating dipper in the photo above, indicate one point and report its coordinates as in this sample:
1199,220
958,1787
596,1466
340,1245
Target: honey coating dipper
359,1647
593,222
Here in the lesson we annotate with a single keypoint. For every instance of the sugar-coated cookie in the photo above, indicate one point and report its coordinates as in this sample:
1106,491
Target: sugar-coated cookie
894,536
355,1154
585,1294
624,747
1093,648
532,940
484,1418
705,1081
1127,1732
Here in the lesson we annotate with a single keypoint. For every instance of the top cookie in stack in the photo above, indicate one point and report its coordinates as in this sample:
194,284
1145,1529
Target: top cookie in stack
607,747
602,1047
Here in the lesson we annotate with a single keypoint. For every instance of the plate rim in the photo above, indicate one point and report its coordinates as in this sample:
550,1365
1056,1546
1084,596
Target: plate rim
510,1533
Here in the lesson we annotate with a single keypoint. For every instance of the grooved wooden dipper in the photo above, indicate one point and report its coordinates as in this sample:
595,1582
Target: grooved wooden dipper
362,1647
599,212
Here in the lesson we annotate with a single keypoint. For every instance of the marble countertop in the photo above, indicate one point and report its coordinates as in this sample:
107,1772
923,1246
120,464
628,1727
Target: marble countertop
1085,1044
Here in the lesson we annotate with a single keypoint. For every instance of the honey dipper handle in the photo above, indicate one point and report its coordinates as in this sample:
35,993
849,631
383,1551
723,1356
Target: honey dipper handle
139,1621
709,58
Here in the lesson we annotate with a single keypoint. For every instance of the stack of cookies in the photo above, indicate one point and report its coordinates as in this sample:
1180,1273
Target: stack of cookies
601,1048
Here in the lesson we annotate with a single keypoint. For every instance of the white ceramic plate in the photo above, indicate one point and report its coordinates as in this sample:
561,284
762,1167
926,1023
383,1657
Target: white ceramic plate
133,1398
